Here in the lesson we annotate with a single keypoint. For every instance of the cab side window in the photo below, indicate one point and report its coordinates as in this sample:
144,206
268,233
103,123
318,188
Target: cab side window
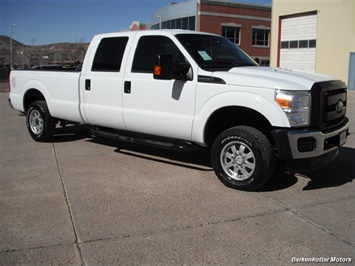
109,54
148,47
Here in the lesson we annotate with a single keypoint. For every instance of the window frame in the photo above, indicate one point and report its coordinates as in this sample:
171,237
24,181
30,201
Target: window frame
235,37
265,41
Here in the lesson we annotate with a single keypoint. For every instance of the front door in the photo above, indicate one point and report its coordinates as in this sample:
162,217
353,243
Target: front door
158,107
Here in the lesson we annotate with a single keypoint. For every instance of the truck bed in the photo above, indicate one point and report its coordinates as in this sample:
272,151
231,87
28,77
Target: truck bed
60,89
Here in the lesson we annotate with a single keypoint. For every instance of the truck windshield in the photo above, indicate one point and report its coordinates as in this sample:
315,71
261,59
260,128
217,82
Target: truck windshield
214,53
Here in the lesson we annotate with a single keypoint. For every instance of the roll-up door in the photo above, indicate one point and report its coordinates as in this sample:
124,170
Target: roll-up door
298,42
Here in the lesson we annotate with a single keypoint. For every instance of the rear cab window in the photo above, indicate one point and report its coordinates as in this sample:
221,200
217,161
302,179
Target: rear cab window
109,54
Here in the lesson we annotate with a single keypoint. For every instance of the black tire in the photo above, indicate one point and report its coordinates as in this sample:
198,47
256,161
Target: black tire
39,122
242,158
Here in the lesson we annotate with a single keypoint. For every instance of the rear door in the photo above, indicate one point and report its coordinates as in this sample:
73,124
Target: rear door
103,82
158,107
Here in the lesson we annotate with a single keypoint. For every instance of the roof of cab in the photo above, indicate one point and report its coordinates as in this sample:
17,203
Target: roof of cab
149,32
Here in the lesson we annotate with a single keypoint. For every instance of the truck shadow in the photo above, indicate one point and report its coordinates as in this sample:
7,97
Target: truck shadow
338,173
280,179
198,159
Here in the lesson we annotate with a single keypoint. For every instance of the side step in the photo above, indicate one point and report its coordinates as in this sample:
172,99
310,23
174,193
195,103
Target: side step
144,139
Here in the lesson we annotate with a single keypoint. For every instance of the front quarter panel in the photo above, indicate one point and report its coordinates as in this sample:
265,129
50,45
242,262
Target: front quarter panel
211,99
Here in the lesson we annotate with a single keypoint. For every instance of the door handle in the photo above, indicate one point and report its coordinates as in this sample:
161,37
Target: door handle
127,87
87,84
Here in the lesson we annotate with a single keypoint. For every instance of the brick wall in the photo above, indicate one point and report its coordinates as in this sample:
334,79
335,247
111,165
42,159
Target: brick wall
213,23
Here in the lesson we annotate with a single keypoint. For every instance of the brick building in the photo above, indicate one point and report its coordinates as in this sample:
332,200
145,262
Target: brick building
136,25
246,25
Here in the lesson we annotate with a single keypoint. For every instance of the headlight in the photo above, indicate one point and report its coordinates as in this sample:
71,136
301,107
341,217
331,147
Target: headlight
296,105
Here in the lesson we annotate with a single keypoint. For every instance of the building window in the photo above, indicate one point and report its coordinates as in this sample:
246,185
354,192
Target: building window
261,37
264,62
191,23
187,23
303,44
231,33
293,44
312,43
298,44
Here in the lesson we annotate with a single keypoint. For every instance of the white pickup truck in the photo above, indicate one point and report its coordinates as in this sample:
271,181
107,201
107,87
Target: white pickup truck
181,89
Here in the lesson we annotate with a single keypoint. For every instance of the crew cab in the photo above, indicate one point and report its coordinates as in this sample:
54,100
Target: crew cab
182,89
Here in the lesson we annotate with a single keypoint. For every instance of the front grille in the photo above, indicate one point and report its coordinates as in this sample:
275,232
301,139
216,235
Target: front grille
329,104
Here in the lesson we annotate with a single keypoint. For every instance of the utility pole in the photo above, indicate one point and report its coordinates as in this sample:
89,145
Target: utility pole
12,25
159,17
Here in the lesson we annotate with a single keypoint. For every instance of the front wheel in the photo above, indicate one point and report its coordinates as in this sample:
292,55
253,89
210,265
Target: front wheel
242,158
39,122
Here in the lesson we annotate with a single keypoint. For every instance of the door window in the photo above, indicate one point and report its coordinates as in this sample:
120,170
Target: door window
148,47
109,54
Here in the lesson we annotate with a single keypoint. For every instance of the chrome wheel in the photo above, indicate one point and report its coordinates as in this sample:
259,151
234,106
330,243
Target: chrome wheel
36,122
39,122
238,160
242,158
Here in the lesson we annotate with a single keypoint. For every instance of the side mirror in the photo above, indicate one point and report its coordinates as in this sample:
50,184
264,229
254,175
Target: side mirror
163,67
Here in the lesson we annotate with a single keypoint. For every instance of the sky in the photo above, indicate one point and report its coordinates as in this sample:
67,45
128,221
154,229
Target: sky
39,22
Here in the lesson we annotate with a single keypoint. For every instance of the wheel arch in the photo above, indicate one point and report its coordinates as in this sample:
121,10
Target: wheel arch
34,90
255,109
31,96
225,118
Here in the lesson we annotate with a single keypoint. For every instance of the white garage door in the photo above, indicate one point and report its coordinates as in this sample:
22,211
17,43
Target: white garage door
298,43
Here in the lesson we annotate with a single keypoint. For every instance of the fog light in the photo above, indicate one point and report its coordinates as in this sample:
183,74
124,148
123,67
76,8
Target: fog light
306,144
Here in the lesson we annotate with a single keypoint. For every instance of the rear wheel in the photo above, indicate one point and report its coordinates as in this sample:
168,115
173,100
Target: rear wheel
39,122
242,158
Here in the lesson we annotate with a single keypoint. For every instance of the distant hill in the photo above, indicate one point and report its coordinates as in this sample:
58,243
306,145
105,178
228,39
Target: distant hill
25,56
5,41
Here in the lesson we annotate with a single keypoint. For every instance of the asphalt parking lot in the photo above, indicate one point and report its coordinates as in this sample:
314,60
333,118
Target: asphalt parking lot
78,201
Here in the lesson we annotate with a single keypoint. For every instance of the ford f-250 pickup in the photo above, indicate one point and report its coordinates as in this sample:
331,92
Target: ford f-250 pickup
179,89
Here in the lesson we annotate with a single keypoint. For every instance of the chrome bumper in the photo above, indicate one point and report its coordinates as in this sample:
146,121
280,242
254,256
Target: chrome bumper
320,139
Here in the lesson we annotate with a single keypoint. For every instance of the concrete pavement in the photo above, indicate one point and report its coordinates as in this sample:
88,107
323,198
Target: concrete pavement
77,201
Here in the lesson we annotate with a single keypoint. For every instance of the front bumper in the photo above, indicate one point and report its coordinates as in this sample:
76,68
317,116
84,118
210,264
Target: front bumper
313,147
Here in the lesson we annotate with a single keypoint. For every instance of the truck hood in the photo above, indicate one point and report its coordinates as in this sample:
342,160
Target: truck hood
267,77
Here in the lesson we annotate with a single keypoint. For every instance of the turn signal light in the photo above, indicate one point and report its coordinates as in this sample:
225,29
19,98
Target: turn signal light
283,101
157,70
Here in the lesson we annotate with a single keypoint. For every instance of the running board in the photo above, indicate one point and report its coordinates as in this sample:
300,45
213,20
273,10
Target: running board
143,139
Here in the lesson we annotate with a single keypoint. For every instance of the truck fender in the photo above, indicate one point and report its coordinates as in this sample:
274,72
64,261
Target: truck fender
269,109
35,85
